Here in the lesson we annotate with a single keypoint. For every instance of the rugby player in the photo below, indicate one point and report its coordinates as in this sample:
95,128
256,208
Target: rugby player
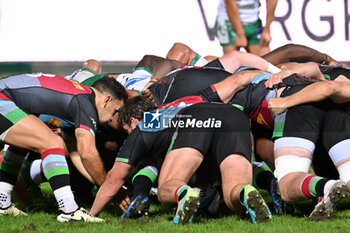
25,96
238,25
230,144
297,131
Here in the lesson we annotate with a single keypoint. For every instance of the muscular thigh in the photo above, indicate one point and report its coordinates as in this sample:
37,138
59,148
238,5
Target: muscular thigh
31,133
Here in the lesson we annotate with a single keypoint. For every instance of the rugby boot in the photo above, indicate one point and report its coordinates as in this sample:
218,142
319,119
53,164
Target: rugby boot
325,208
186,207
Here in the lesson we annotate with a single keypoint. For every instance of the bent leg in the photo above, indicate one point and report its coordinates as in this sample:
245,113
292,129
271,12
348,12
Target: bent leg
178,167
292,166
236,171
31,133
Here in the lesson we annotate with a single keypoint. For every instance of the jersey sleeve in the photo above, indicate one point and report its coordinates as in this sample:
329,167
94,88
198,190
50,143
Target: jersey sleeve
83,111
133,149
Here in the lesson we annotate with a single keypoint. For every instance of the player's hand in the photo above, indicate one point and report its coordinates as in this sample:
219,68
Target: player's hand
277,78
124,204
148,94
265,38
277,105
335,63
241,41
138,207
341,78
122,199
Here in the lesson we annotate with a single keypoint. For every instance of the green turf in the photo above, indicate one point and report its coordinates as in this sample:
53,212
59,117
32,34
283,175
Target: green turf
160,220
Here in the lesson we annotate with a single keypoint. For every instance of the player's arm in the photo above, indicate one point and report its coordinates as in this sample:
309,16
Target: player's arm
114,181
233,15
90,157
76,160
228,87
270,15
149,62
165,67
161,70
298,53
235,59
309,69
337,91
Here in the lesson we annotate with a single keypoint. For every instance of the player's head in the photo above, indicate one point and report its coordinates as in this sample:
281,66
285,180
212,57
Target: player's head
110,97
131,113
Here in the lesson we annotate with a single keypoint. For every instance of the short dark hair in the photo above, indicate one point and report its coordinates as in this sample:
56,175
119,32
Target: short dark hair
134,107
110,86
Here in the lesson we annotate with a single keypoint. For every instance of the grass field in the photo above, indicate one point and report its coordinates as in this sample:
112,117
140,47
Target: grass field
160,220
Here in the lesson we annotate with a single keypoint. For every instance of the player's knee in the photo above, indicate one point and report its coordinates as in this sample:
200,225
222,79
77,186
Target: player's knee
292,155
161,194
283,188
51,141
288,164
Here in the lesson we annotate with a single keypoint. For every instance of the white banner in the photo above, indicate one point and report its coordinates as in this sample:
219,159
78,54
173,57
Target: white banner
111,30
321,24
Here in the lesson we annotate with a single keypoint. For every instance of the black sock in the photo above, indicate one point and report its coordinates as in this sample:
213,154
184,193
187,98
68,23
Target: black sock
319,187
262,176
241,196
182,195
142,185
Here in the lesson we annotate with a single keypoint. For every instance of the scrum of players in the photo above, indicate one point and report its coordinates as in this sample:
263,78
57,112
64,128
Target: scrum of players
194,131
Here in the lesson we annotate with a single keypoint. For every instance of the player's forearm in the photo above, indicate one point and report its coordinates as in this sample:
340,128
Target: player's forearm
94,166
248,59
341,92
312,93
233,15
227,88
76,160
235,59
294,52
165,67
105,194
114,181
270,12
310,69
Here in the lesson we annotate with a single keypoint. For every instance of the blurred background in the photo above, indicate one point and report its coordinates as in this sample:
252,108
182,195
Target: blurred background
56,36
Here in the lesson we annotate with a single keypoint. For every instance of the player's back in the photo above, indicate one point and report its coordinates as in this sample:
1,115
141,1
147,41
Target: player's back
41,93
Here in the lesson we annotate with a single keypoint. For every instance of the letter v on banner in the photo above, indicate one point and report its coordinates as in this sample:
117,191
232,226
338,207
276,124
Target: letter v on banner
210,30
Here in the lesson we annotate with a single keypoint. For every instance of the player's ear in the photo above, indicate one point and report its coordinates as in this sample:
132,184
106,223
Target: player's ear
134,121
107,99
